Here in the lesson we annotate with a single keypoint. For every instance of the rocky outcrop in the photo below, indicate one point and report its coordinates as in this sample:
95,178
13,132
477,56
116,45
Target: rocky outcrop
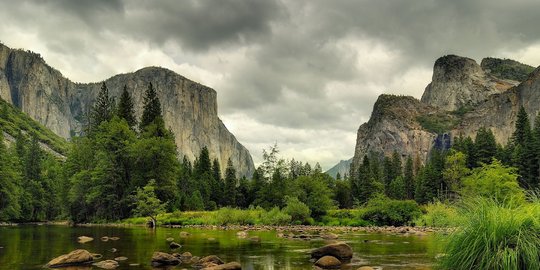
189,109
460,82
462,98
394,126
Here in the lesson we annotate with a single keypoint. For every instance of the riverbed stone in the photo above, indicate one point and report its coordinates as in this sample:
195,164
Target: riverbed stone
162,258
104,238
340,250
84,239
76,257
328,262
366,268
174,245
226,266
120,259
107,264
169,239
211,259
114,238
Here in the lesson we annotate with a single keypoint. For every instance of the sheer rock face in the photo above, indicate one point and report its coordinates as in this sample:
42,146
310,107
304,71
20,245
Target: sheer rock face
189,109
458,83
393,126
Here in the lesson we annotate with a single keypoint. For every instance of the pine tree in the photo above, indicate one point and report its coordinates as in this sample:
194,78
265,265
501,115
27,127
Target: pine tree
217,185
103,108
409,179
485,146
151,108
125,108
229,196
523,127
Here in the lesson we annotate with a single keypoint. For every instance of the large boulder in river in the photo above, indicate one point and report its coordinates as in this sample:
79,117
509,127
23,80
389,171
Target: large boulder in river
340,250
226,266
162,258
328,262
76,257
211,259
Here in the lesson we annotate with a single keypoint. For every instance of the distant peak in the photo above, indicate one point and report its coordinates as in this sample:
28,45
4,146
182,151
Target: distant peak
506,69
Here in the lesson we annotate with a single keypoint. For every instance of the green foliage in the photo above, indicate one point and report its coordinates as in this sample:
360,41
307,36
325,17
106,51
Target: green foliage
195,202
383,211
495,236
455,168
275,217
494,181
439,215
314,192
438,122
146,202
232,216
298,211
10,208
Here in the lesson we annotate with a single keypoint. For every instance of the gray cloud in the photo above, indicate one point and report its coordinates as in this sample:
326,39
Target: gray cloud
302,73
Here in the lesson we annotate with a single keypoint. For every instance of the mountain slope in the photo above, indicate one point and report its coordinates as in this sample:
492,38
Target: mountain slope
189,108
13,121
342,168
462,98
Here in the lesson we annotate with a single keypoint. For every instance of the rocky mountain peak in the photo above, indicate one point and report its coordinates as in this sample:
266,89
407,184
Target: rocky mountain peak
459,82
189,108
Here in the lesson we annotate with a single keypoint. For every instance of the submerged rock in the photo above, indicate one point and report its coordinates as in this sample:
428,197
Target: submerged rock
162,258
366,268
121,258
76,257
108,264
226,266
210,261
174,245
340,250
84,239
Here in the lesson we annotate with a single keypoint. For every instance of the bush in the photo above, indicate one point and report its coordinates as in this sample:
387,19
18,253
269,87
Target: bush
494,181
231,216
298,211
275,217
438,214
383,211
495,236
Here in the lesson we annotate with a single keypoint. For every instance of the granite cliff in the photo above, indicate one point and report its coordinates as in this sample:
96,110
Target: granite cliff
189,109
462,97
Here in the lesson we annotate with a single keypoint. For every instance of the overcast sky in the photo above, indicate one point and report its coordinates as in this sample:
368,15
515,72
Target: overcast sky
304,74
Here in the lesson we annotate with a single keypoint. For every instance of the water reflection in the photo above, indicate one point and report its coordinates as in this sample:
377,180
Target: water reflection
30,247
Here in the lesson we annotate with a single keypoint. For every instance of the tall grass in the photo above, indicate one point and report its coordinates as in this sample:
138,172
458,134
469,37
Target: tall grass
440,215
495,236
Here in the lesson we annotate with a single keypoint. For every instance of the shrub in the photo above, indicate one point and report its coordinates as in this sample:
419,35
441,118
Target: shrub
298,211
494,181
495,236
275,217
230,216
383,211
438,214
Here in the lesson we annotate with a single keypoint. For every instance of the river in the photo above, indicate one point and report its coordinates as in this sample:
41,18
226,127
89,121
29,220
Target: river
31,247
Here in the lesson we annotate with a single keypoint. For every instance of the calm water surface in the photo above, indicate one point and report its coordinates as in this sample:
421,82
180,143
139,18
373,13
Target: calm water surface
30,247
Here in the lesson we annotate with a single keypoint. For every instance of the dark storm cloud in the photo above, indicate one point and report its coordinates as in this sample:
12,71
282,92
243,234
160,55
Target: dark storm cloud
290,69
199,25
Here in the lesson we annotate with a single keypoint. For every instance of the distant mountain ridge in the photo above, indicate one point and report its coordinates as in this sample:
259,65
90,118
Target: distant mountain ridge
462,97
189,108
342,168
